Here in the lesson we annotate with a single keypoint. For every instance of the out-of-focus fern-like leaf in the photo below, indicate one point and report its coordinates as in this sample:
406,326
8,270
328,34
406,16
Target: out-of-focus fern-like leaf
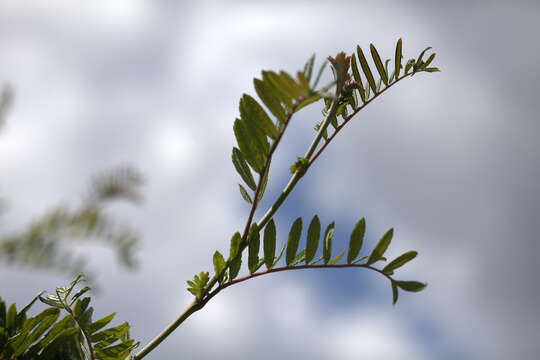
43,243
308,67
293,241
6,98
122,183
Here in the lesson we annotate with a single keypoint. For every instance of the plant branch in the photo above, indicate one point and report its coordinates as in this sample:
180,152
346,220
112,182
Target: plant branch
85,334
312,156
285,268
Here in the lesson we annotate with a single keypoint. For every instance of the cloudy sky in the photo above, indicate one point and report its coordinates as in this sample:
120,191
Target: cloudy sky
450,160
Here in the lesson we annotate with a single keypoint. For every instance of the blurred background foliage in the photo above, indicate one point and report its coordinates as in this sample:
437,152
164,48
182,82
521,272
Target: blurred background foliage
50,240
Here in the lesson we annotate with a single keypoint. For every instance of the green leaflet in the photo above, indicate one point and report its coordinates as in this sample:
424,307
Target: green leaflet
301,256
253,153
432,69
219,264
235,245
319,73
263,184
292,87
242,168
106,337
368,92
378,64
408,66
399,262
397,59
66,322
302,81
294,240
253,113
299,165
419,60
79,294
64,336
337,258
267,94
234,268
394,293
411,286
11,317
254,243
428,61
196,287
22,338
327,244
280,255
313,236
269,244
308,67
357,77
51,300
273,80
366,69
99,324
359,259
245,194
381,247
357,237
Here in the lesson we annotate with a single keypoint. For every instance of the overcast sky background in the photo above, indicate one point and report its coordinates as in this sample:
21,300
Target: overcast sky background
450,160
